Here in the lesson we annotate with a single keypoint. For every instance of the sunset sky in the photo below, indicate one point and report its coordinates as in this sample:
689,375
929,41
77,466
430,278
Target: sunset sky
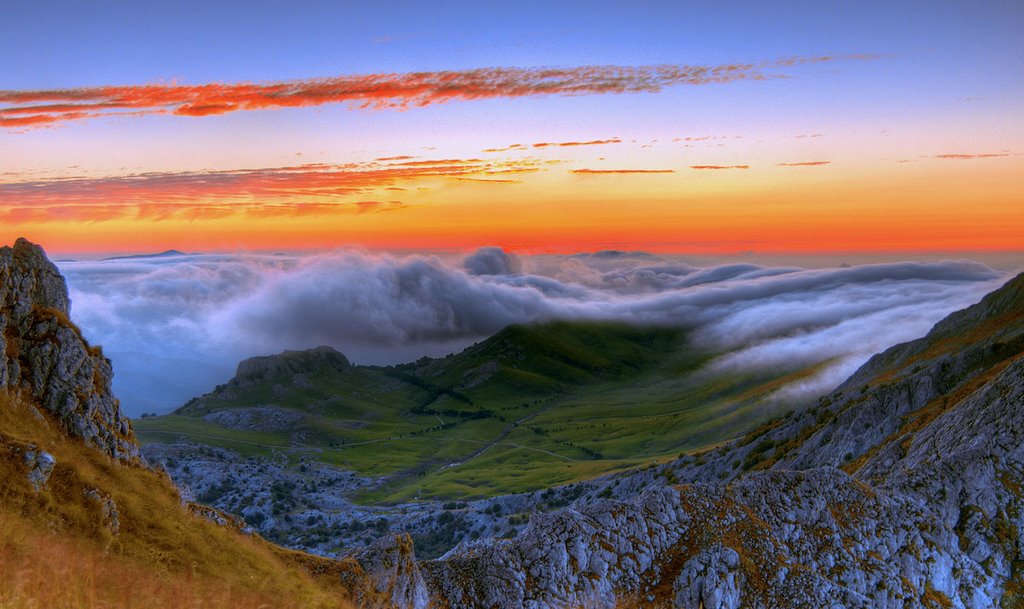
703,128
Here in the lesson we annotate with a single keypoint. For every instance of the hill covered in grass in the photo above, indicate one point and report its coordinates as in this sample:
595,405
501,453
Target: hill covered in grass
530,407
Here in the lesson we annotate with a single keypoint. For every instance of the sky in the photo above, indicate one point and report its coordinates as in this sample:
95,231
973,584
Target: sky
721,129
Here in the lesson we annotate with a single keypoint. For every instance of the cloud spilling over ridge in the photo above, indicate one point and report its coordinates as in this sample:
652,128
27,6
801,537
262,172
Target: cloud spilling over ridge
23,109
214,310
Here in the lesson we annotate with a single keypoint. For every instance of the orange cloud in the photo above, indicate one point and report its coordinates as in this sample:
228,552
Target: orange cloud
315,188
983,155
441,162
373,91
613,140
506,148
719,166
599,171
512,170
804,164
489,180
377,206
704,138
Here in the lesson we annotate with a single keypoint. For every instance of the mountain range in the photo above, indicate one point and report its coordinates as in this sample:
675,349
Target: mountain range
901,488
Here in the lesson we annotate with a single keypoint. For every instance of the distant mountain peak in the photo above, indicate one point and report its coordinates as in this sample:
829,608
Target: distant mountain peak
164,254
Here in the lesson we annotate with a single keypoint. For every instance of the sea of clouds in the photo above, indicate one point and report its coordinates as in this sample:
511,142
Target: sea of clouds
177,325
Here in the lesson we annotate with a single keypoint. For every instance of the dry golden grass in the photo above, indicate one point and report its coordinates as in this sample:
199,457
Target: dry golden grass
42,570
55,551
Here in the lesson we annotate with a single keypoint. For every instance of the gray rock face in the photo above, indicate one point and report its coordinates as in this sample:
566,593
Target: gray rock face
40,465
309,506
108,509
44,354
257,417
389,576
711,578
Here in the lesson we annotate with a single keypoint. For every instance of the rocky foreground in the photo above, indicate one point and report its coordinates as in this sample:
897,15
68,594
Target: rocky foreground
903,488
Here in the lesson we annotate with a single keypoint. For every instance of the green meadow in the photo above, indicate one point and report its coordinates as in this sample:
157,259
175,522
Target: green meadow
531,407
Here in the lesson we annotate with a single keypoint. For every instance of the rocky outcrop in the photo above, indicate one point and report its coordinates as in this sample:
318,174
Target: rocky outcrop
288,363
110,518
45,355
40,465
387,576
258,418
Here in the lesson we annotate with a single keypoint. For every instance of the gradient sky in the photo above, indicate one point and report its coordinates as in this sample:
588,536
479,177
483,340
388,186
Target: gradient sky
703,128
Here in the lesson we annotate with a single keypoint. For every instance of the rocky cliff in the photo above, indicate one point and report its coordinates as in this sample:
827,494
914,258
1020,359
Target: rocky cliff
44,354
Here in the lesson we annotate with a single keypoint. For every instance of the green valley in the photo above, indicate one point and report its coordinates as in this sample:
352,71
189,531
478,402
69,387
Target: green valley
531,407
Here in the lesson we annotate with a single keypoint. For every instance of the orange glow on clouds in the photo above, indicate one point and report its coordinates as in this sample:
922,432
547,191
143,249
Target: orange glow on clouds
403,203
310,189
26,109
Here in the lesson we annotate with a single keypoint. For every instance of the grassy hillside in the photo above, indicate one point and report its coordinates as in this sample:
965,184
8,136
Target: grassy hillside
59,547
531,407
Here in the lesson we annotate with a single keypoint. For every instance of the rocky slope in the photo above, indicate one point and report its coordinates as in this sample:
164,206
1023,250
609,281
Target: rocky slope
289,362
901,489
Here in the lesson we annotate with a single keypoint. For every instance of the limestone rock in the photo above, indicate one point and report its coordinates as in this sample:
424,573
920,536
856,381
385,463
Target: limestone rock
40,465
108,509
43,353
389,576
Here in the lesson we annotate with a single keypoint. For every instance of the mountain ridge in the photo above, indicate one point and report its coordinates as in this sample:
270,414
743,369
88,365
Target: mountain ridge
163,254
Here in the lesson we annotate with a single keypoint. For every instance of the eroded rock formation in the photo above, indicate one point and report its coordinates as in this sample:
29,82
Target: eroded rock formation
43,353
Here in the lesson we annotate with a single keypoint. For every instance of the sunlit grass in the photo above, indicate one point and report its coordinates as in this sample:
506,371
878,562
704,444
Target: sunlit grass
55,550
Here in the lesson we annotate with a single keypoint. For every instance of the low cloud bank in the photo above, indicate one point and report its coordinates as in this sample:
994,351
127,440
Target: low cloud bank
174,326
